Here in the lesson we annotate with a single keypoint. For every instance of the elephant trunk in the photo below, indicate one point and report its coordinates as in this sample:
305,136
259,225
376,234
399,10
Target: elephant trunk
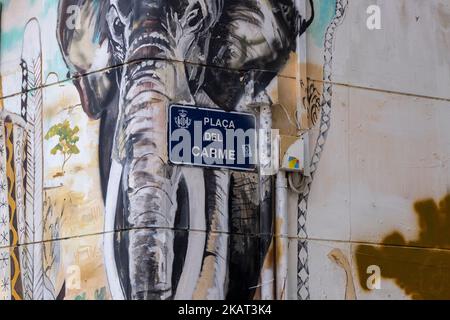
140,145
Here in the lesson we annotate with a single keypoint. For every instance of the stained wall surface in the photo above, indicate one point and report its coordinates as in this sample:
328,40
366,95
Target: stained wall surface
91,208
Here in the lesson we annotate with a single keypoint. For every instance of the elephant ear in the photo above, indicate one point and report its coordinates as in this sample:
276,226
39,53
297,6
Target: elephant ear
251,35
289,14
82,33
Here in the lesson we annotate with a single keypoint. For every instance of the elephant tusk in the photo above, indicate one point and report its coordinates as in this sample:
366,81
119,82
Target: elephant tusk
115,287
212,281
197,237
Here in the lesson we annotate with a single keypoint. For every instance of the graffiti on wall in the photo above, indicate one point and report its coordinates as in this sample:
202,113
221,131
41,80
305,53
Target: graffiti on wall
88,153
227,35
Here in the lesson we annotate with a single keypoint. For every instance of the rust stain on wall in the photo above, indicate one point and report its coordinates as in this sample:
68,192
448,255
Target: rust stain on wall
420,267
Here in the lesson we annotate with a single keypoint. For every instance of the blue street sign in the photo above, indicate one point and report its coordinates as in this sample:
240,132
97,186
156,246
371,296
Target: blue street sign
212,138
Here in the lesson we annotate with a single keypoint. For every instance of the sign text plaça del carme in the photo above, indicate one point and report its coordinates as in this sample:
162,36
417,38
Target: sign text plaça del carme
212,138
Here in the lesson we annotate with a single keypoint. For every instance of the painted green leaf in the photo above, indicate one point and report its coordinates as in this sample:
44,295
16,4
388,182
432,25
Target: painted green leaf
67,139
56,148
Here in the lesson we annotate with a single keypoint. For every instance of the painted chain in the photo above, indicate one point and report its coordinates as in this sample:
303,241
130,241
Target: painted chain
303,271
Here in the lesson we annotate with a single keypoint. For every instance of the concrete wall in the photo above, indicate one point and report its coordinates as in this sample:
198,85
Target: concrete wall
369,220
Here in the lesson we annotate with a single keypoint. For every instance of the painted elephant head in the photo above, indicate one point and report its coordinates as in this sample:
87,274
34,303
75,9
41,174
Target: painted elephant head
161,49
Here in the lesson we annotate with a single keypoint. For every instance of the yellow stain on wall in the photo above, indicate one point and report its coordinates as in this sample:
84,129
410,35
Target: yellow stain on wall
420,267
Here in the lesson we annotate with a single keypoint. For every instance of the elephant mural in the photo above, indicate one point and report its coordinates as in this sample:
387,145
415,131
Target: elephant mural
195,52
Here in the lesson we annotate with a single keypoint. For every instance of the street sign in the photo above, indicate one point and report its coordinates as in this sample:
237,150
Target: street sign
212,138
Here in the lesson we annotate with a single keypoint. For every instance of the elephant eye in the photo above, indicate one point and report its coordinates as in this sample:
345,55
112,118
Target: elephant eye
118,26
